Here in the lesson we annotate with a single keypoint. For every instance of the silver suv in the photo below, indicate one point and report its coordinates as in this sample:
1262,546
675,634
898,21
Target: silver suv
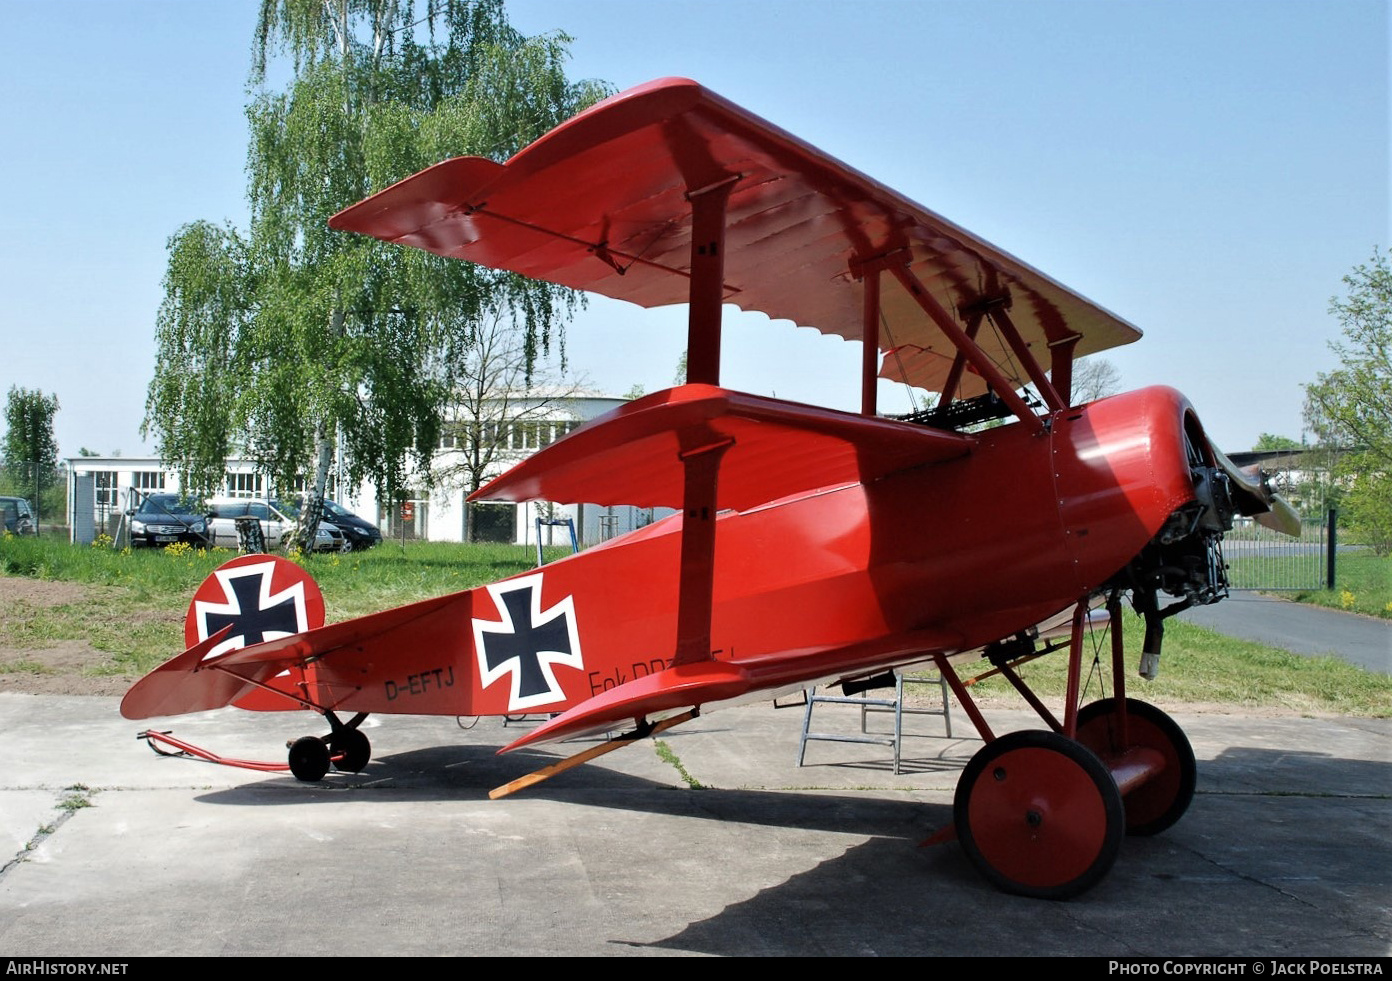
276,520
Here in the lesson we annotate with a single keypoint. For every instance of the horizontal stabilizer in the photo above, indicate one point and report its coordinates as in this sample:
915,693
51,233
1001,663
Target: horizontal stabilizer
706,683
184,684
633,455
338,652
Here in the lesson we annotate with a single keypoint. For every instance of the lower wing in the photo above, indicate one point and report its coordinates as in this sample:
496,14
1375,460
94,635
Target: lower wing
707,683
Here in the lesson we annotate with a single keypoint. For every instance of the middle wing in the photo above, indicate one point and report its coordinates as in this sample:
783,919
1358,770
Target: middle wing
633,455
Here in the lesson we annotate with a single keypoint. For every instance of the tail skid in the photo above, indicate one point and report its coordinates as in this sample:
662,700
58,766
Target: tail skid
345,749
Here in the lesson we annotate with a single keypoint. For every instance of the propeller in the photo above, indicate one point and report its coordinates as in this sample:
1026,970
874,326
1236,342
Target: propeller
1256,499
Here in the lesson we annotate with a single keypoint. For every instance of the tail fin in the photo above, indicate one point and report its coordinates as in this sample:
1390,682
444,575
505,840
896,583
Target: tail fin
261,597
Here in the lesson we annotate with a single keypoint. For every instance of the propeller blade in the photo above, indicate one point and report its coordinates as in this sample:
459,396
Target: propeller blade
1281,517
1255,498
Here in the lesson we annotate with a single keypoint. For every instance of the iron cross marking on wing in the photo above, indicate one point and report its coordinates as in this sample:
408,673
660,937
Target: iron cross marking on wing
527,643
254,613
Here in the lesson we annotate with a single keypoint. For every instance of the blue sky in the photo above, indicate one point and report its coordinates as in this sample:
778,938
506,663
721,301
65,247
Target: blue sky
1207,170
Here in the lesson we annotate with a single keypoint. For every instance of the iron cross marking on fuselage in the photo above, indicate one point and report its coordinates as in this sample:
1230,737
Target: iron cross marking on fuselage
249,620
527,643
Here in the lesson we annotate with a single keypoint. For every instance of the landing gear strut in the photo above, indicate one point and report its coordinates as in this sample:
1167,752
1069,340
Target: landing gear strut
1043,812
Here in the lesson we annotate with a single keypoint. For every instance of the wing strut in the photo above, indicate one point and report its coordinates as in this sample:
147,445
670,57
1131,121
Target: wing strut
1061,367
697,581
701,453
979,359
995,309
584,756
959,363
870,343
707,289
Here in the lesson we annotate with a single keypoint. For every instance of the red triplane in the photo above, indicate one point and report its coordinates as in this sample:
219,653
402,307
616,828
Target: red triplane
812,545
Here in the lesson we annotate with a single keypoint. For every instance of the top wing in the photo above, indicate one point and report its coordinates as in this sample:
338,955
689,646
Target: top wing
601,203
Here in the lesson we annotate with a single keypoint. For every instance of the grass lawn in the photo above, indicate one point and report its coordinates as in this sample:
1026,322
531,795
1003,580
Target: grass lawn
1363,584
132,608
1202,666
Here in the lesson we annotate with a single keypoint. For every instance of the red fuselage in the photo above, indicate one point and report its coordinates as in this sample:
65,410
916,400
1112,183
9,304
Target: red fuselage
971,550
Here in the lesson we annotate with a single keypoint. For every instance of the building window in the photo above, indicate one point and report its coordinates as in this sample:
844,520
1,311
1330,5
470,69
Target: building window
559,429
148,480
243,484
106,487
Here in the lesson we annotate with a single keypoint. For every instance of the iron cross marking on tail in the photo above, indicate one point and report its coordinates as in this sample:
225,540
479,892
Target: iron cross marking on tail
252,610
527,643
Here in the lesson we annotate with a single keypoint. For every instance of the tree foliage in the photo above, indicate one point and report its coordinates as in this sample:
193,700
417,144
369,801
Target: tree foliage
30,449
1094,378
1351,407
29,440
283,339
498,396
1270,442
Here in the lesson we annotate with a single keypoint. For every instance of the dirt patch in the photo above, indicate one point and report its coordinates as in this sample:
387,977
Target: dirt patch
59,668
38,592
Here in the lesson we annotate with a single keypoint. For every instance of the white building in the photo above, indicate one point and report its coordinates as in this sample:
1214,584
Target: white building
101,489
513,428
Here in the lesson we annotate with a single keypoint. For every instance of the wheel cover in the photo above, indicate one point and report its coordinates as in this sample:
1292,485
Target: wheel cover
1162,800
1039,814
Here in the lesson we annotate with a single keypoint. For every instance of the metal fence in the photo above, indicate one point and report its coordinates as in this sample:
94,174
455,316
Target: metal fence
1261,559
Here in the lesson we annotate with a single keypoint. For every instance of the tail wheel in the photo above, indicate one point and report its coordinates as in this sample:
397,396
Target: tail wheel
1039,815
1163,799
350,749
309,758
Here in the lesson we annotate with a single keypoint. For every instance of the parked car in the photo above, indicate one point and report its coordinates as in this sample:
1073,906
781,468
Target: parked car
329,538
360,532
164,519
276,520
18,516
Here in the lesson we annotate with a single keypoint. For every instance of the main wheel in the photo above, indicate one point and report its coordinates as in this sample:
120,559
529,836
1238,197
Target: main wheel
309,759
1163,799
352,749
1039,815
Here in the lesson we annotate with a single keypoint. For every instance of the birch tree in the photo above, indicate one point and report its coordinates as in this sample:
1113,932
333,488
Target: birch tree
289,338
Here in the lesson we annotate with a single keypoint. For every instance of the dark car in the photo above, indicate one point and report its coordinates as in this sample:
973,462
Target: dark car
329,537
165,519
360,532
18,516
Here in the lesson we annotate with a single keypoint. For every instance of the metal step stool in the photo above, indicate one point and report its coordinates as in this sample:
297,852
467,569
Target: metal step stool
868,705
